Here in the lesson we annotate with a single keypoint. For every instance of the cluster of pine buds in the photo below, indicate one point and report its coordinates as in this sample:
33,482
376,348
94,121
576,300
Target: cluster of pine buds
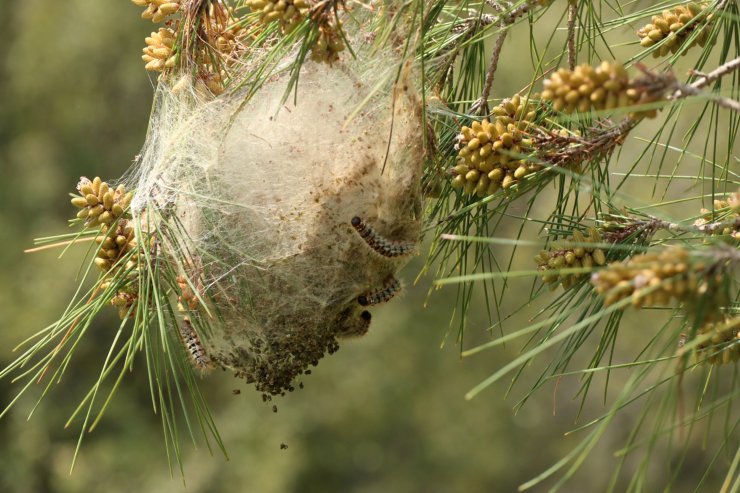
219,32
605,87
574,252
125,299
226,36
159,52
227,40
187,297
158,10
585,87
99,203
289,13
723,346
652,278
492,154
725,221
115,244
670,28
328,45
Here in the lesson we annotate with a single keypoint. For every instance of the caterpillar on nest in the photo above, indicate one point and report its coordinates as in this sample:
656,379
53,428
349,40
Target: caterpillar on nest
193,346
269,195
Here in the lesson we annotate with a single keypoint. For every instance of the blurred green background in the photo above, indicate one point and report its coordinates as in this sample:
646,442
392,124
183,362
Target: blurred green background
385,414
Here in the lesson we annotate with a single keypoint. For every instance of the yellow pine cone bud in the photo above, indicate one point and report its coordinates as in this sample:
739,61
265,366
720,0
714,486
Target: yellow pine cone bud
225,35
116,243
574,252
228,42
492,154
159,52
158,10
98,203
289,13
724,221
670,28
588,88
214,82
328,45
724,345
652,278
102,264
125,300
187,295
516,109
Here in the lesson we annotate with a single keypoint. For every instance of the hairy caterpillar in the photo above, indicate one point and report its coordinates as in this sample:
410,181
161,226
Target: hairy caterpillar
193,346
385,247
391,288
360,326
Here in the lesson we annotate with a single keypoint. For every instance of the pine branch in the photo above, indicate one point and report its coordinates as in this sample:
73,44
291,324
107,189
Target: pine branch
694,89
706,79
572,18
481,105
507,18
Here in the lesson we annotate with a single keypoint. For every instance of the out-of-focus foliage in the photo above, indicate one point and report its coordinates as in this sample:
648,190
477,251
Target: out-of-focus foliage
384,414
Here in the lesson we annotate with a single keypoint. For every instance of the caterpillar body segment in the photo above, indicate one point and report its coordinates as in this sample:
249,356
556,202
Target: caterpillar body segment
357,326
193,346
391,288
364,324
381,245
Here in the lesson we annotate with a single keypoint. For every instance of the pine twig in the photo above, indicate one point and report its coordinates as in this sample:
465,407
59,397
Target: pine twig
481,105
572,13
655,224
719,72
472,24
563,151
695,88
505,21
469,27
